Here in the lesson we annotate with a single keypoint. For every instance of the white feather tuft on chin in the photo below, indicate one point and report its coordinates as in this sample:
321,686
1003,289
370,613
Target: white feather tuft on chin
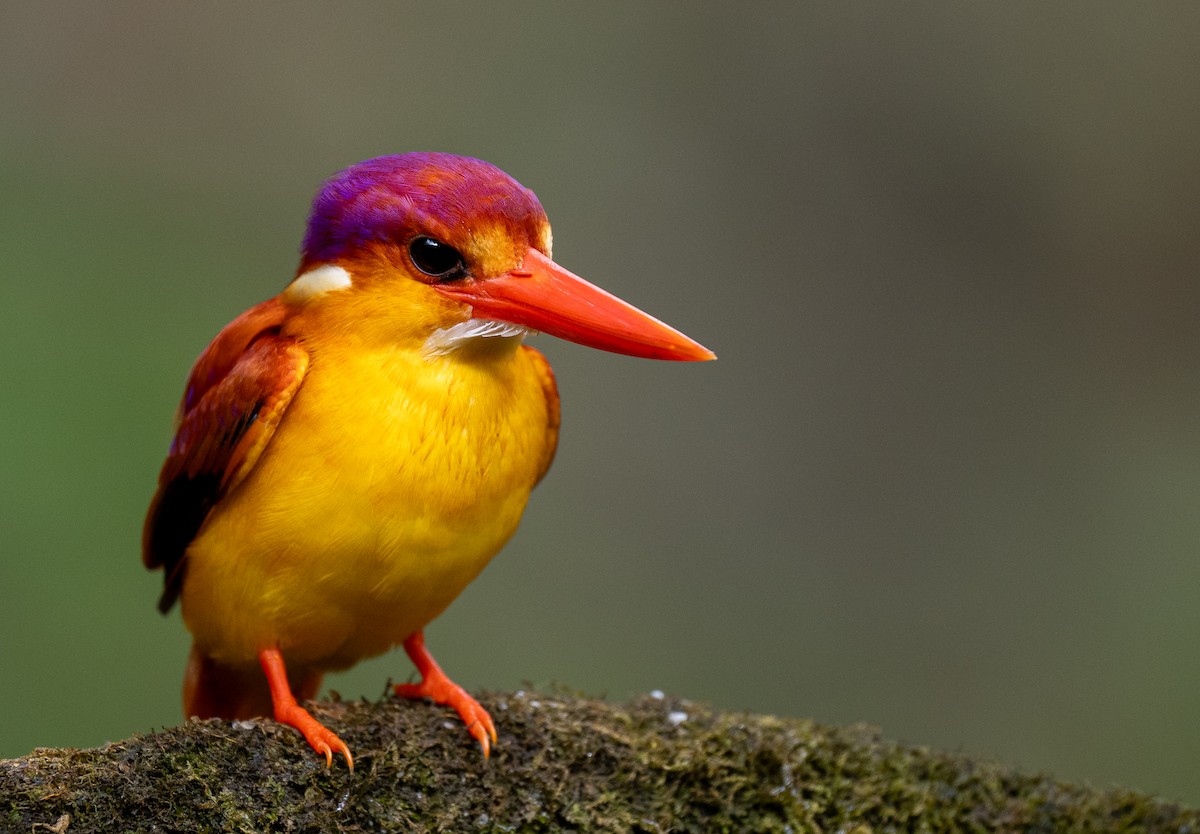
446,340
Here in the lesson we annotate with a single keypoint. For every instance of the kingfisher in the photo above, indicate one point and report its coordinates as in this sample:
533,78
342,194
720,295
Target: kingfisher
351,453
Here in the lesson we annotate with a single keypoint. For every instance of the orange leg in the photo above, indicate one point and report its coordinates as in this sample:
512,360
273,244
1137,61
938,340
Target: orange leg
440,689
287,711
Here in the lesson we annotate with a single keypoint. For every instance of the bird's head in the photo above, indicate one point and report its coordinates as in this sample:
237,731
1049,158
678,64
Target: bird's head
446,250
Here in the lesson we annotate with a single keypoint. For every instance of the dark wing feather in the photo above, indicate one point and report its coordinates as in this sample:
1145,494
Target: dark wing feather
236,395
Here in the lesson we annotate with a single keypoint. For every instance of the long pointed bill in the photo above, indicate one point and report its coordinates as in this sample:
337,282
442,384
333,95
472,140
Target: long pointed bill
541,295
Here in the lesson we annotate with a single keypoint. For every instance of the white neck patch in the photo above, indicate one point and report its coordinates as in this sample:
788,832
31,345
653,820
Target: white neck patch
317,282
449,339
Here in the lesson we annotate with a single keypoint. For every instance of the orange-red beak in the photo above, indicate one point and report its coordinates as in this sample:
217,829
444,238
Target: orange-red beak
541,295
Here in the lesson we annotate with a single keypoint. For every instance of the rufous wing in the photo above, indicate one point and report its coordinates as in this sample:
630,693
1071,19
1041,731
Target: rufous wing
550,389
236,396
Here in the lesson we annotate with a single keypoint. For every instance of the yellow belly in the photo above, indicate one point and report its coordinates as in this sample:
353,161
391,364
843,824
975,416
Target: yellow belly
390,483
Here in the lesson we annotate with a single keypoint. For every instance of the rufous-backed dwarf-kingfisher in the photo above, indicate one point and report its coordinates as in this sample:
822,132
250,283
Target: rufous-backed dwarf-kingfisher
351,453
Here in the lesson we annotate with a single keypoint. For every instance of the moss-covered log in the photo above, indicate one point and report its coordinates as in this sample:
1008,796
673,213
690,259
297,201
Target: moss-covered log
563,764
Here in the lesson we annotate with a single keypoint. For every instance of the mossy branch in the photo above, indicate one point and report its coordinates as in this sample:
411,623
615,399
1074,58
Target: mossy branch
564,763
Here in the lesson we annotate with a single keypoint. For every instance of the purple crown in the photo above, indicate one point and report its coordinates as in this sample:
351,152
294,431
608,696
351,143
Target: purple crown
389,197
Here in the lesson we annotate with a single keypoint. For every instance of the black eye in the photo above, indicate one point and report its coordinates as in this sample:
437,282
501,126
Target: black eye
436,259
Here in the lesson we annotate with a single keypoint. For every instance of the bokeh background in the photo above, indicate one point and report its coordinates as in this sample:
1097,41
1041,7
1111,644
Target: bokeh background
945,477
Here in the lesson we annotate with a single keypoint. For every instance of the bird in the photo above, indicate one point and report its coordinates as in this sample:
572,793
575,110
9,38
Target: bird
351,453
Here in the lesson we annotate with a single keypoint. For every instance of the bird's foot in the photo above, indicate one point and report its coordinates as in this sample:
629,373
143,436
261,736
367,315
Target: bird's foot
437,687
287,711
441,690
318,736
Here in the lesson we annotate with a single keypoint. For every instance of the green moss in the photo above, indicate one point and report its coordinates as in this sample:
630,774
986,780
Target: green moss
564,763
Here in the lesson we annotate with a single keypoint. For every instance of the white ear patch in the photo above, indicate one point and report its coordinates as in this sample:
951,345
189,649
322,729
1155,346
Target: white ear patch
318,281
449,339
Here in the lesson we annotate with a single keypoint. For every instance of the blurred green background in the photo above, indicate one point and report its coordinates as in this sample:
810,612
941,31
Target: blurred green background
945,477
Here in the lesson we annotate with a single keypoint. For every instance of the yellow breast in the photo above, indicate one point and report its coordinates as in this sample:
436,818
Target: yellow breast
392,480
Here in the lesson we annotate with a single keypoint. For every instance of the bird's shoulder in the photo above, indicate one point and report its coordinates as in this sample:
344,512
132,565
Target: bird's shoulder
545,376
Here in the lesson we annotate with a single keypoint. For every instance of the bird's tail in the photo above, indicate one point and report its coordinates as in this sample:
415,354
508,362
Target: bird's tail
216,690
